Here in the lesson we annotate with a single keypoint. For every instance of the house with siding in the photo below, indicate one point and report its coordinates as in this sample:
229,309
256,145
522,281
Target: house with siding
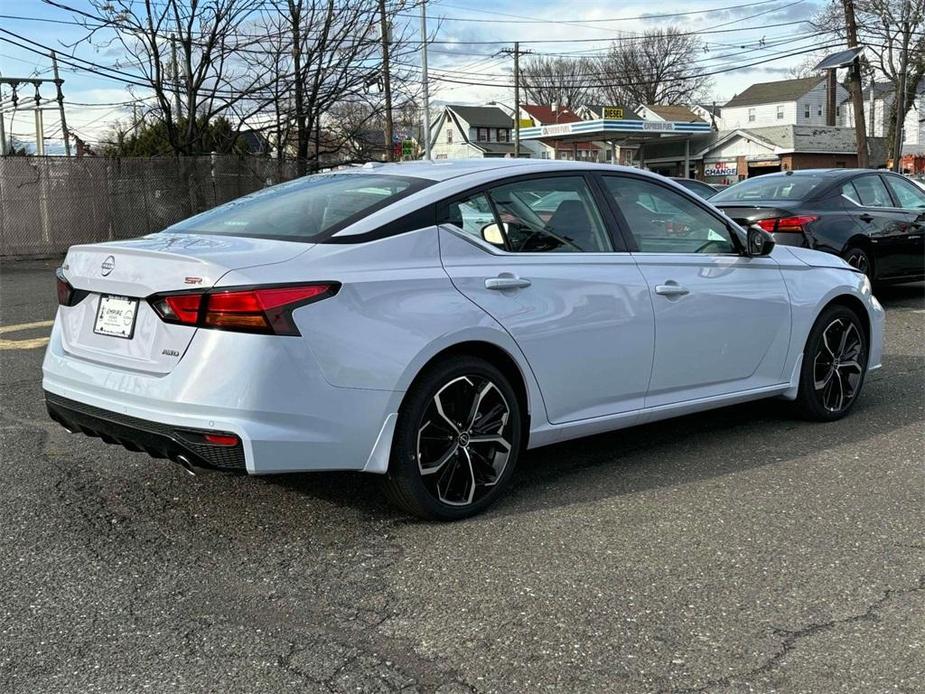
784,102
878,100
472,132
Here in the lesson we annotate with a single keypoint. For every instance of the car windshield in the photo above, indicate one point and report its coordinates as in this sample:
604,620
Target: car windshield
311,208
784,187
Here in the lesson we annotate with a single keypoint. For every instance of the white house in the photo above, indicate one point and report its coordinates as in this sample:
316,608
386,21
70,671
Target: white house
881,95
785,102
472,132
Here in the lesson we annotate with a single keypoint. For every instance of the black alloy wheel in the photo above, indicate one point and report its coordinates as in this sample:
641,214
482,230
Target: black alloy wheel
457,441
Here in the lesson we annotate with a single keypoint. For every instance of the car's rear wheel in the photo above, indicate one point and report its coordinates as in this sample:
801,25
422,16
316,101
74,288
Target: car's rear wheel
456,442
859,259
834,364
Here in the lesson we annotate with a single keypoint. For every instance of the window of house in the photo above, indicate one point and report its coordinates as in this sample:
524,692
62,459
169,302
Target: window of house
806,111
780,113
664,221
449,136
820,111
482,134
751,115
504,135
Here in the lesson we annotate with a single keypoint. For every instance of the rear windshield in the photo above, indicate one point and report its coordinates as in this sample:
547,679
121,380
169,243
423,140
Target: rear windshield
307,209
786,187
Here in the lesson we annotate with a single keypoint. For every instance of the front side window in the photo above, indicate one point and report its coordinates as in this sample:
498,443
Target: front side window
475,217
872,192
663,221
310,209
483,134
909,195
780,113
550,215
751,115
449,136
806,111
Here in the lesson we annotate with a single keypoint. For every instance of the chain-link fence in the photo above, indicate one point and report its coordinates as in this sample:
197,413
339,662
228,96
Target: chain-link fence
50,203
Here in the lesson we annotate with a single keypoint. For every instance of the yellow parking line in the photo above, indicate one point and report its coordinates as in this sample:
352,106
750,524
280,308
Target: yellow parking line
31,343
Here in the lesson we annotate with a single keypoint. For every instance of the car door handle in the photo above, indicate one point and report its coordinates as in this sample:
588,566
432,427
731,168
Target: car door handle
671,289
866,217
505,281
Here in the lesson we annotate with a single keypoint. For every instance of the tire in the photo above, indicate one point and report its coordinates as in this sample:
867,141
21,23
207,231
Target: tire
833,369
448,463
858,258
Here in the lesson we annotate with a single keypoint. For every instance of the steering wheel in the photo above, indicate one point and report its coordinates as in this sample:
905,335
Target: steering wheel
545,232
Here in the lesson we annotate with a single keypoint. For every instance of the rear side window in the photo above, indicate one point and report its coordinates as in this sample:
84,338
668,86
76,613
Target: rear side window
307,209
765,188
872,192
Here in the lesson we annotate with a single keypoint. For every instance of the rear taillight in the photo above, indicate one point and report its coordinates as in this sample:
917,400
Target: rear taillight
791,225
67,295
266,310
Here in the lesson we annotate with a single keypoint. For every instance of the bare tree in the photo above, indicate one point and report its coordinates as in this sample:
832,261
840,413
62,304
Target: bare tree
657,68
186,52
320,55
885,27
557,80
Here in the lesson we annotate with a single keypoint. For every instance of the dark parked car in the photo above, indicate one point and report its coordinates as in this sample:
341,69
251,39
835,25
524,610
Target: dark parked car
875,220
704,190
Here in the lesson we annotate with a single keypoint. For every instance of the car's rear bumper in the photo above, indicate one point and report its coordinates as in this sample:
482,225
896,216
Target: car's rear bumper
266,390
182,445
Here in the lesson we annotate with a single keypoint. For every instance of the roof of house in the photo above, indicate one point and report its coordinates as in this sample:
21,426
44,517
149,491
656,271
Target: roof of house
494,147
773,92
545,115
714,109
483,116
681,114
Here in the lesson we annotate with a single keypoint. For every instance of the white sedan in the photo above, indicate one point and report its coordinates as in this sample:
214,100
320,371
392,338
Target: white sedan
429,322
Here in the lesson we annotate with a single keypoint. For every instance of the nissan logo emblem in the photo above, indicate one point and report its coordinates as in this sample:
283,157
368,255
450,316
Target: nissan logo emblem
107,266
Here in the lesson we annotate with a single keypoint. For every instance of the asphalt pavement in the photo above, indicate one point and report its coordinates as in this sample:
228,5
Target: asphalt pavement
738,550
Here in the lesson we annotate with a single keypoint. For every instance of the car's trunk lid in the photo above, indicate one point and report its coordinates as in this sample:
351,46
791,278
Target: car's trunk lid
746,214
138,268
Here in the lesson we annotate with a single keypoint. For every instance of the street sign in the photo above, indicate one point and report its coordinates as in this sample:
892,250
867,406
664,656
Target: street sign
613,113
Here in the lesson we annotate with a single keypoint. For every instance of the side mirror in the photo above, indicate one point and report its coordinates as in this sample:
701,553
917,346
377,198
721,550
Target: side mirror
492,234
758,242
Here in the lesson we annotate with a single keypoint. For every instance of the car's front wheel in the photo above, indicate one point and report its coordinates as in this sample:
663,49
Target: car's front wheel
456,442
834,364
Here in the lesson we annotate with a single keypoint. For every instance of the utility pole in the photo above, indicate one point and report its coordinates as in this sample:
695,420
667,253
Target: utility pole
516,99
39,126
58,83
426,86
897,152
854,85
516,53
386,81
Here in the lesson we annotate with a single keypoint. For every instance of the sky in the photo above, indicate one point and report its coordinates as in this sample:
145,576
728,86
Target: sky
747,41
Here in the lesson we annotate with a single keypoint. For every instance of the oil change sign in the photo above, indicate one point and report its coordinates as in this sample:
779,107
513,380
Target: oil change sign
720,168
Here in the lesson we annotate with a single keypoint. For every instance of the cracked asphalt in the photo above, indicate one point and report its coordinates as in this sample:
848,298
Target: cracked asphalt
734,551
